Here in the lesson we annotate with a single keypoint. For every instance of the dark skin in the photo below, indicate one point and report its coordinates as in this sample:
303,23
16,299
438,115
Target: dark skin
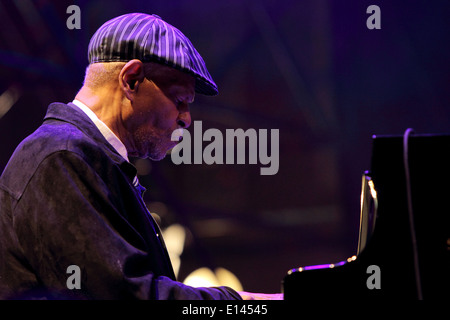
142,110
143,107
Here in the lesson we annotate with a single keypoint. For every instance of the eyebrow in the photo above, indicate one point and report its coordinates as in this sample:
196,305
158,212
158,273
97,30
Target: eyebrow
192,99
183,91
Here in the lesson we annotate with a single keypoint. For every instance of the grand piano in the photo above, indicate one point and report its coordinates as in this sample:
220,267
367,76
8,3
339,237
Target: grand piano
404,236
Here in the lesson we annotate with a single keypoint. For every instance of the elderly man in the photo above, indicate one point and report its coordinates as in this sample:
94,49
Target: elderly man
69,195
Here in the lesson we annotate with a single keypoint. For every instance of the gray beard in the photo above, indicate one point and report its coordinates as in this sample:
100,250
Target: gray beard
152,143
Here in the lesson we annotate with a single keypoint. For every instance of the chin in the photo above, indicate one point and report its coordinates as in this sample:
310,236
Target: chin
156,151
156,158
158,155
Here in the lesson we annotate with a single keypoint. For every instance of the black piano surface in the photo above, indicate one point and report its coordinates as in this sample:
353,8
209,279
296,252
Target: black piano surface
397,257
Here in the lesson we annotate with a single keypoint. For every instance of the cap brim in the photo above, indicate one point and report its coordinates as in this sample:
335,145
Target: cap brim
205,87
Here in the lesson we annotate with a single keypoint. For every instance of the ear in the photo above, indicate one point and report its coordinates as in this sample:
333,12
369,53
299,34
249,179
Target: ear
130,77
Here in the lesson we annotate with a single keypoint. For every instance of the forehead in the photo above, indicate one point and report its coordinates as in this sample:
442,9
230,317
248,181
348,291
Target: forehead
170,78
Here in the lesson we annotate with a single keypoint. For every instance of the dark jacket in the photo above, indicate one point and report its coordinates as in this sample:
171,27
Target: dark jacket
67,198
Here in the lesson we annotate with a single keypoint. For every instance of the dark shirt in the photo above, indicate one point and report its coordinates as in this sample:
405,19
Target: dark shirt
67,198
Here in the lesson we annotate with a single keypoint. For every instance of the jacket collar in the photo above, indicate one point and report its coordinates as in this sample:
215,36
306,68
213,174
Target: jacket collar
70,113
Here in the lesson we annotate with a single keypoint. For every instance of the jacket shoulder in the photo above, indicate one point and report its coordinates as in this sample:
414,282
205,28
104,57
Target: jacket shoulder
48,139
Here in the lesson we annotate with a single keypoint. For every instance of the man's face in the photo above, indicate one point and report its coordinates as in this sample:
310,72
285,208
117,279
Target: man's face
161,105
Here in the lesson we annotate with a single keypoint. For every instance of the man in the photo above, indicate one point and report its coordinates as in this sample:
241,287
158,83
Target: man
70,198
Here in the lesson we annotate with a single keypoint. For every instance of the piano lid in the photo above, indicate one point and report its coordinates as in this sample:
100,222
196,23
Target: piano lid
409,177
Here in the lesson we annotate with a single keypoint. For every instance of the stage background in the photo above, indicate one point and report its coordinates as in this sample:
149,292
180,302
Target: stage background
311,69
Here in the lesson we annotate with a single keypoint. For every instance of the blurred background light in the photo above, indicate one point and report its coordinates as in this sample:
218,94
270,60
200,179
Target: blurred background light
174,237
8,99
205,277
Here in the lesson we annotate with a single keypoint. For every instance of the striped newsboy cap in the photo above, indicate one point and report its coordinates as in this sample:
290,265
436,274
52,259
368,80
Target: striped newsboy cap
149,38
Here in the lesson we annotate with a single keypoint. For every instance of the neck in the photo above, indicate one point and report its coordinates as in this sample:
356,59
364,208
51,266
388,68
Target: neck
110,106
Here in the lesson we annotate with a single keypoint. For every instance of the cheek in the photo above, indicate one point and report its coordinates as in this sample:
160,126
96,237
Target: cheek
155,111
149,117
165,118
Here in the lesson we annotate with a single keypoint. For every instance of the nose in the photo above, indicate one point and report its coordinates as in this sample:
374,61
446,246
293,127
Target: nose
184,119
